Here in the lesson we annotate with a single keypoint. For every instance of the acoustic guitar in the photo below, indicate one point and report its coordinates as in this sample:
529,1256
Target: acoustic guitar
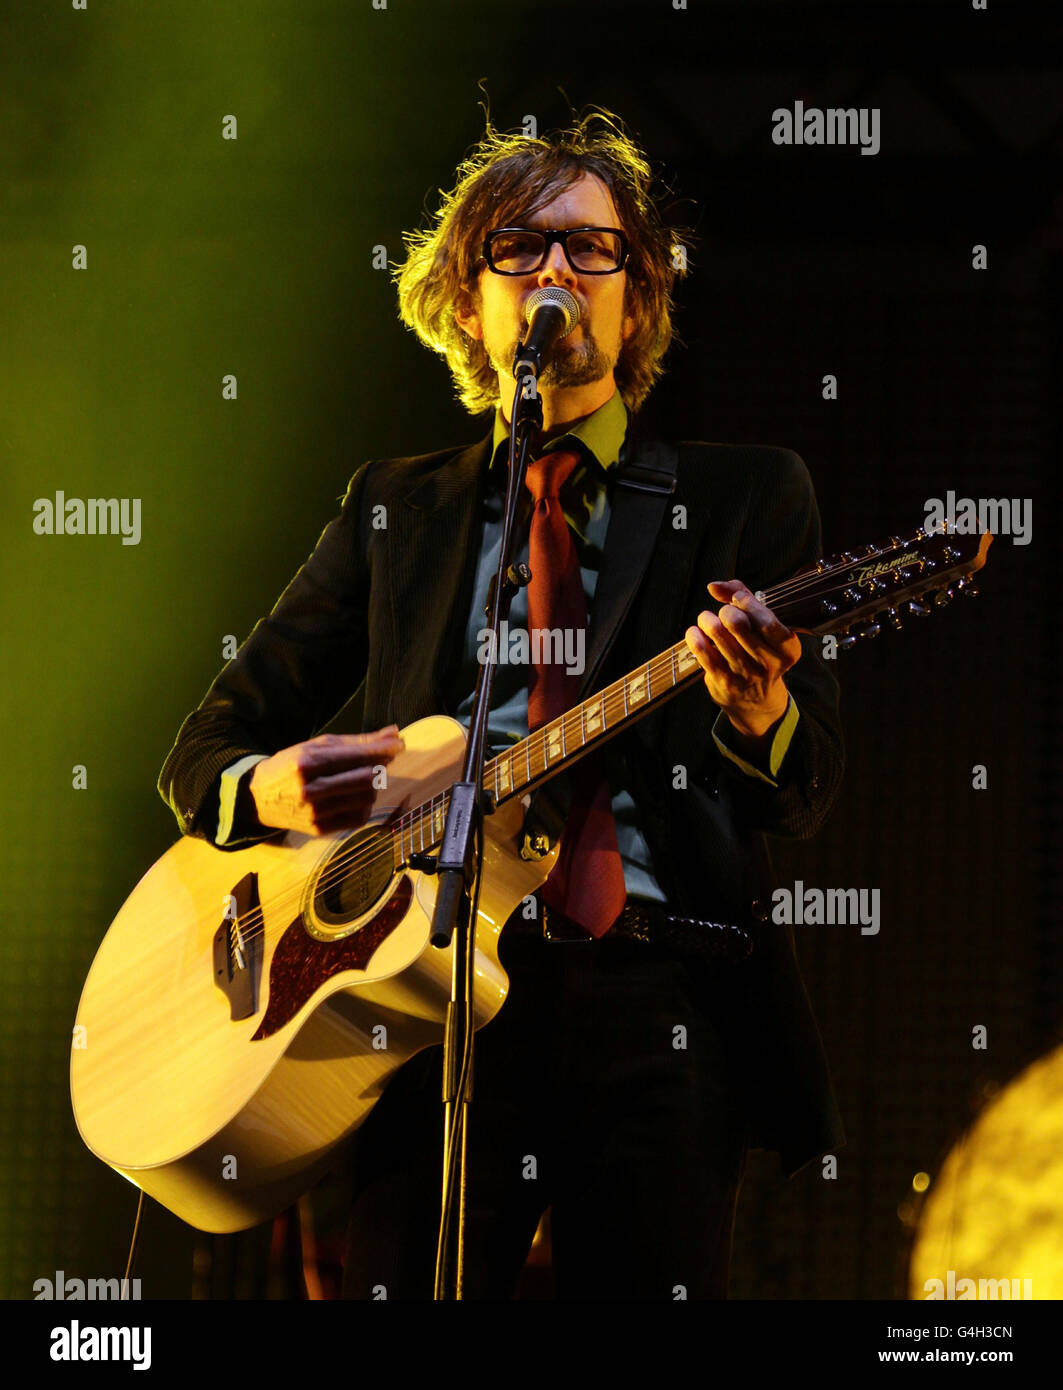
246,1008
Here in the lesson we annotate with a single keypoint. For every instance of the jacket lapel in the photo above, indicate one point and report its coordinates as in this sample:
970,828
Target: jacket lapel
640,499
434,549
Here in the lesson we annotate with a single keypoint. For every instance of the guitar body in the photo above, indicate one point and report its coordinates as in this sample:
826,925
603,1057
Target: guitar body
246,1008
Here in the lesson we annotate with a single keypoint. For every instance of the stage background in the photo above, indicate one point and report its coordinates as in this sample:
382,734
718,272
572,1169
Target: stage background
254,257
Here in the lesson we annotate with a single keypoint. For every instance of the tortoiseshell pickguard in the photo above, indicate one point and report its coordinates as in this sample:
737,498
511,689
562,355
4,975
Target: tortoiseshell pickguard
301,964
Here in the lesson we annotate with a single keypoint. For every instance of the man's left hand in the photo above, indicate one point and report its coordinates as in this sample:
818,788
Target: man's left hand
745,652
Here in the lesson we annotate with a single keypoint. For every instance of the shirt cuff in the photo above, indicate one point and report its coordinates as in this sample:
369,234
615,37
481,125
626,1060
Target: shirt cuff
770,764
230,785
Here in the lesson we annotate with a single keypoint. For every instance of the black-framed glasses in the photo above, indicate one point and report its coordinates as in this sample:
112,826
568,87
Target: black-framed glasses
522,251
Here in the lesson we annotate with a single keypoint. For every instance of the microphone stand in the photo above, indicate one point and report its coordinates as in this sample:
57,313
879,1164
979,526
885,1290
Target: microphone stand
459,869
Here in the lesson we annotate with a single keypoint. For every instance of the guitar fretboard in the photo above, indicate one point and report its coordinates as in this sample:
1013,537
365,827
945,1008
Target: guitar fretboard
826,597
562,740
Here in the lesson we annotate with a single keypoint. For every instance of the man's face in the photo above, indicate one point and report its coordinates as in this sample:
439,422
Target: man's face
590,352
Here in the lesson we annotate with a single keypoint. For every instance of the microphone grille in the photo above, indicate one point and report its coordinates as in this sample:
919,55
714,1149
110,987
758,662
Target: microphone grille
554,294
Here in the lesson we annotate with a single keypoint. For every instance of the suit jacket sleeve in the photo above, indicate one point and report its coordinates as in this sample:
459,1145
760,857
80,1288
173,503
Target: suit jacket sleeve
782,535
295,671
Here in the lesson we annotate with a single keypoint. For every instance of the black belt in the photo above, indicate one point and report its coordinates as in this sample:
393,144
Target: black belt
647,922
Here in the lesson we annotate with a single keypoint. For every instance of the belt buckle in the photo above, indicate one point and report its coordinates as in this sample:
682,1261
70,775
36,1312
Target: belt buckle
563,931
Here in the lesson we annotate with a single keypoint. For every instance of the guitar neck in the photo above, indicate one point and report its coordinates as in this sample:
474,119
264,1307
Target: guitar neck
826,598
558,743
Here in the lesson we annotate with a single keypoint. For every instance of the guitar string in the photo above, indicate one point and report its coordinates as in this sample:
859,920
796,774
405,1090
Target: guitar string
613,699
383,848
800,582
614,696
614,703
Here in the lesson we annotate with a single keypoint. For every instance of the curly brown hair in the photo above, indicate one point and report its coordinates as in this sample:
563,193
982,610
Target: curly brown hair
509,175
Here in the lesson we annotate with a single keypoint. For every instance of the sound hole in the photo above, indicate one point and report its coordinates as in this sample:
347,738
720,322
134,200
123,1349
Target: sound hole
354,877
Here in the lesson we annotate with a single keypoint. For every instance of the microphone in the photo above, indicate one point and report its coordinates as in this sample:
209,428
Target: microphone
550,313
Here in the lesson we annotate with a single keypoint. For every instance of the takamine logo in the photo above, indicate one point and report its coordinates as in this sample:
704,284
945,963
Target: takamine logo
867,573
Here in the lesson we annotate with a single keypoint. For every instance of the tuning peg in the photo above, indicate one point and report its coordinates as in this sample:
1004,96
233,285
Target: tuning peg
870,630
846,641
917,609
944,597
894,617
967,587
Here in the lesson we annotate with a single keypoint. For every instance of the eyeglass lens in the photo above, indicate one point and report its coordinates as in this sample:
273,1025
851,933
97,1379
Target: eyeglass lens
521,252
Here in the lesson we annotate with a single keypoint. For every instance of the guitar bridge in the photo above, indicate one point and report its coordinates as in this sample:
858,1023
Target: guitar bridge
238,949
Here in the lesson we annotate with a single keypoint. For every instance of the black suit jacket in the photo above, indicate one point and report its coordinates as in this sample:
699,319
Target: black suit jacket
379,610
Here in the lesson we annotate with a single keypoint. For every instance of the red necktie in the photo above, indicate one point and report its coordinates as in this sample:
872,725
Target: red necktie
587,882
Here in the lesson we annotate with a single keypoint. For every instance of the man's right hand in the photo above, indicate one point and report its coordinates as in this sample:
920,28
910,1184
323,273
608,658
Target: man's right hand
324,784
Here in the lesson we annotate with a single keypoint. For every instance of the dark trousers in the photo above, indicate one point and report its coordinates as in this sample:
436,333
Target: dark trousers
604,1090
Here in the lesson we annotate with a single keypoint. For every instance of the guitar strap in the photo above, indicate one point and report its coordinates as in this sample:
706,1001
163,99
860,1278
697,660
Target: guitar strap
642,485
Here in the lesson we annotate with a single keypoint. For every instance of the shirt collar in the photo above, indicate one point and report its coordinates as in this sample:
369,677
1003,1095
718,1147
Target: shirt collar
601,433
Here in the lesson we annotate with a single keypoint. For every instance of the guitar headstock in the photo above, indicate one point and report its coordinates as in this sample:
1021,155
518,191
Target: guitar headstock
856,589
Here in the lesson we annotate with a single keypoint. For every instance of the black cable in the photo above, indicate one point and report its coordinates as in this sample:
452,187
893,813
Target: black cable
133,1246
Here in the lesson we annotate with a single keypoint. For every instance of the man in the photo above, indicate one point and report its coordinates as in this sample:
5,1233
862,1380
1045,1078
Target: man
632,1062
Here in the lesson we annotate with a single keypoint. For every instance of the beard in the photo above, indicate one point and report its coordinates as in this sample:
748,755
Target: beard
578,365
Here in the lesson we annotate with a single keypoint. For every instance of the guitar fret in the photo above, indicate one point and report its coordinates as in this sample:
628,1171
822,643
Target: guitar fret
638,690
553,738
674,677
687,658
